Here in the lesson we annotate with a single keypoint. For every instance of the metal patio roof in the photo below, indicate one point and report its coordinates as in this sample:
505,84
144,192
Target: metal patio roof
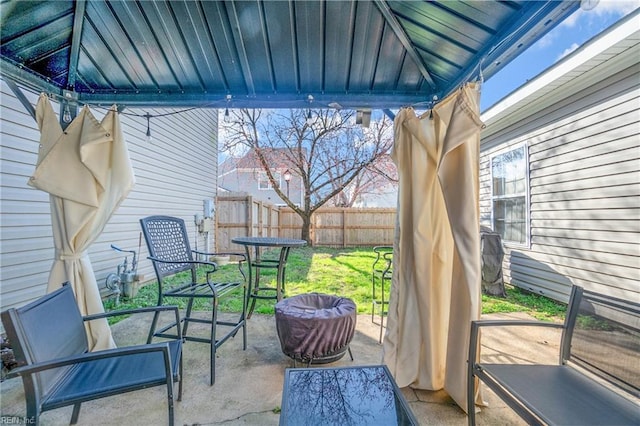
283,54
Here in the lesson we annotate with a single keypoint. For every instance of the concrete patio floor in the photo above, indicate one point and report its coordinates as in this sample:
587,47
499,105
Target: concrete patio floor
248,388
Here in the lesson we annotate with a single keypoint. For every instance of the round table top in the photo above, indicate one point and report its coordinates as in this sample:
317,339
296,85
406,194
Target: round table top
269,241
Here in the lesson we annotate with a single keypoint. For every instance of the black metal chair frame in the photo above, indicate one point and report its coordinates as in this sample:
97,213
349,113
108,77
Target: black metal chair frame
381,272
50,344
170,253
588,385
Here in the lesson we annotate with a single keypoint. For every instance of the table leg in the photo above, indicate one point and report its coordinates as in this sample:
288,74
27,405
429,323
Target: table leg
251,287
282,263
256,282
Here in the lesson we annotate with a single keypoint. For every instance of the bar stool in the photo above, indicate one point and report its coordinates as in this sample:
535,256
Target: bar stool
381,272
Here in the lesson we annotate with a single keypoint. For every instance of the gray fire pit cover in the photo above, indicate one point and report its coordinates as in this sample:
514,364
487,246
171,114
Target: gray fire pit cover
315,327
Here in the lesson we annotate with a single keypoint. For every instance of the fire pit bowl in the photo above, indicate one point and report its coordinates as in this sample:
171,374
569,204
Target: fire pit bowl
315,328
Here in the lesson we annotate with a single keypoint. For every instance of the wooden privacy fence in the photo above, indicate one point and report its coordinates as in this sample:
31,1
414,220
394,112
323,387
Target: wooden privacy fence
343,226
242,215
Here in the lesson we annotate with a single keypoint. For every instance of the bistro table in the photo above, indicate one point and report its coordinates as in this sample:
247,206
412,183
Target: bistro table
365,395
256,291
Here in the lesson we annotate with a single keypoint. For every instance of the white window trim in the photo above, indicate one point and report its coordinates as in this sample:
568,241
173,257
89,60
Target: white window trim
527,243
262,177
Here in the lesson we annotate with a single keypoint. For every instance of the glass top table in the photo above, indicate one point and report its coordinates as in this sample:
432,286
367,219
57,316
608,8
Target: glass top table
256,290
364,395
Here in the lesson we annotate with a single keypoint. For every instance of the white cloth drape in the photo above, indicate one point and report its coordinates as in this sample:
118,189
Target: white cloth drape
435,290
87,172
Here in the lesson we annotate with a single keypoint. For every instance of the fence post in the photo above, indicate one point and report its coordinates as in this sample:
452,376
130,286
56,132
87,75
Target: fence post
344,227
216,234
260,221
249,216
279,215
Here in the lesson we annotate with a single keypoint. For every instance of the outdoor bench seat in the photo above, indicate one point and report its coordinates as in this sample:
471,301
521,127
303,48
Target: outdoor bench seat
51,348
597,380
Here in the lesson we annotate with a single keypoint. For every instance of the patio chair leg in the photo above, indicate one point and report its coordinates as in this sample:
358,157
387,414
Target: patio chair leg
214,321
75,414
170,400
253,306
187,318
350,353
152,329
180,381
373,297
382,304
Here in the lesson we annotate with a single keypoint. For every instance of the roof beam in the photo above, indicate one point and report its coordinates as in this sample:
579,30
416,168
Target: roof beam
10,71
511,41
404,39
76,38
21,97
282,100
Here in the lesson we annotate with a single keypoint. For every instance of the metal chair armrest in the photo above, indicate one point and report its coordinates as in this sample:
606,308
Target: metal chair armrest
379,249
242,256
139,311
381,252
92,356
241,260
130,312
529,323
389,258
477,324
179,262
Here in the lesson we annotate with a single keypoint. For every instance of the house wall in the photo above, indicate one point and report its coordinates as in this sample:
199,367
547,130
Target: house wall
246,180
174,173
584,180
385,196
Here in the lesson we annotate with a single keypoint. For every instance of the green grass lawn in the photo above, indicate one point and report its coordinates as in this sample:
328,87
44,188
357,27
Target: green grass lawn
345,272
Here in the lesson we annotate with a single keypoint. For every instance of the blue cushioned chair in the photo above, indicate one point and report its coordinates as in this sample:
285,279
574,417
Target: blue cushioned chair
50,346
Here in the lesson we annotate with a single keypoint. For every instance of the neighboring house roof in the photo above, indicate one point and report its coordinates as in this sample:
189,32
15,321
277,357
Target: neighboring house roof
227,166
277,158
613,50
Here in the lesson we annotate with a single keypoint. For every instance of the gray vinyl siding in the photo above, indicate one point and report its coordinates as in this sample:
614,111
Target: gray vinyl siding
174,173
584,183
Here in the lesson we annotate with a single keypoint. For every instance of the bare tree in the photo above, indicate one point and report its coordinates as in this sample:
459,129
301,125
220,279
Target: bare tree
325,153
380,174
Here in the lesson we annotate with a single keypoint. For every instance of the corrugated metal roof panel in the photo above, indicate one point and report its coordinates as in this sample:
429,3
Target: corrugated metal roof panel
264,53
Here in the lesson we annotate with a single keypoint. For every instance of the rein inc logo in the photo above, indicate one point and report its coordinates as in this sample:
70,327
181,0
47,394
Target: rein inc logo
17,420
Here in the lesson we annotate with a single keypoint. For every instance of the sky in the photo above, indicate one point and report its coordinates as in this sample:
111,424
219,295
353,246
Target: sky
567,36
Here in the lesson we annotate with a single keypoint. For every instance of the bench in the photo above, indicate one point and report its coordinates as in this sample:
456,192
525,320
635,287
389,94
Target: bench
597,378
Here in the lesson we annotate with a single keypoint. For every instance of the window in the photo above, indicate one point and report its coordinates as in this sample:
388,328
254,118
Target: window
263,181
510,207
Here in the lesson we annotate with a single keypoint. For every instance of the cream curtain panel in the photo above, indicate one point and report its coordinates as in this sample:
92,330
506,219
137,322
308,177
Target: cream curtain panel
87,172
435,290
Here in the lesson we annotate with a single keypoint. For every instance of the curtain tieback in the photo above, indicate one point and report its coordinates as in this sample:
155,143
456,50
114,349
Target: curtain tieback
60,255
